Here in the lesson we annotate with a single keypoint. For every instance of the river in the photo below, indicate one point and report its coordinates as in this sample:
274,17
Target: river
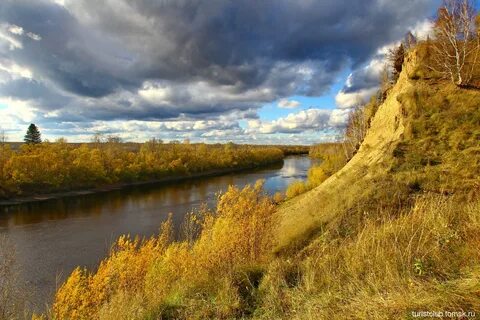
52,238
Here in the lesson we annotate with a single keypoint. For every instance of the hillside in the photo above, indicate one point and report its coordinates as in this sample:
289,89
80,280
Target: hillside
301,214
424,137
397,229
394,232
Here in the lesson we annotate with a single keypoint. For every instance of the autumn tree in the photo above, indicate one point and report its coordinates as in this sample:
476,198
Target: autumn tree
356,130
456,44
33,135
114,139
98,139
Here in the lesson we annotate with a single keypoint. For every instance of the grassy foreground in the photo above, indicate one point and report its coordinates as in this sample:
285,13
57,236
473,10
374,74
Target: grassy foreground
393,262
395,232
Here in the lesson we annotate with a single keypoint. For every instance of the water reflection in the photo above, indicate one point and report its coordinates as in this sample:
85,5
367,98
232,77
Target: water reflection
54,237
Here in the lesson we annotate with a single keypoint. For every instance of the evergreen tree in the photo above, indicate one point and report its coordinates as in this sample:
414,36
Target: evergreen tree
396,57
33,135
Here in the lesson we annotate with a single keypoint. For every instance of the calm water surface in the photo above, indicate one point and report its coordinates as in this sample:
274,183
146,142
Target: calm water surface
54,237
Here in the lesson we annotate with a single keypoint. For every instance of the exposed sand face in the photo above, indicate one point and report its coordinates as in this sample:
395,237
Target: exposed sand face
312,209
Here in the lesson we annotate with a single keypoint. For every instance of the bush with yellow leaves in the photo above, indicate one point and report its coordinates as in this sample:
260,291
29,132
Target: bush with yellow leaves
212,275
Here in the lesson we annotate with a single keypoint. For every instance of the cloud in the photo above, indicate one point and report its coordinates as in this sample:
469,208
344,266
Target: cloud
142,60
13,71
288,104
15,29
423,29
8,40
18,111
361,84
34,36
346,100
11,36
338,118
302,121
59,2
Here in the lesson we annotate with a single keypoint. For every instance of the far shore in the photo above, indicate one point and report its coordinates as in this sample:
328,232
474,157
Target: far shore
122,185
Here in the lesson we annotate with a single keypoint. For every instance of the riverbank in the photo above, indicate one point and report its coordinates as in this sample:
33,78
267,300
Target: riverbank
36,172
118,186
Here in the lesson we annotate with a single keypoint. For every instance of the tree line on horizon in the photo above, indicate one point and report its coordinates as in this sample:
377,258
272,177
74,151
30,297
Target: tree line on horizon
60,166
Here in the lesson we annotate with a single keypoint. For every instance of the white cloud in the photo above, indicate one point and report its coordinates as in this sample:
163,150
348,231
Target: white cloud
423,29
339,117
254,124
156,94
14,115
15,29
8,40
353,99
288,104
363,83
34,36
59,2
205,93
15,70
311,119
11,34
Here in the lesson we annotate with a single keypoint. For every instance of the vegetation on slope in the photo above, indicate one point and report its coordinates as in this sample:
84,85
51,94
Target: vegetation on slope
12,293
384,265
440,151
60,166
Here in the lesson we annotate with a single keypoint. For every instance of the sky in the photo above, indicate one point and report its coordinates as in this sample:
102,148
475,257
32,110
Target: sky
246,71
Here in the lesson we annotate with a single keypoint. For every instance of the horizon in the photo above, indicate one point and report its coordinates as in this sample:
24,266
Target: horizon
196,71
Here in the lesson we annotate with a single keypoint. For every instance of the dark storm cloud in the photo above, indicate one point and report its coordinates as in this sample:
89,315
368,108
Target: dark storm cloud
361,84
362,78
77,59
26,89
98,50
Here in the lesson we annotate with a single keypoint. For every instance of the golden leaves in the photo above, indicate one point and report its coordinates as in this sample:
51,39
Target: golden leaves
239,233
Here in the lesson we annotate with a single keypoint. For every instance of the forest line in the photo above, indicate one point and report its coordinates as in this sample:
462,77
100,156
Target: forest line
59,166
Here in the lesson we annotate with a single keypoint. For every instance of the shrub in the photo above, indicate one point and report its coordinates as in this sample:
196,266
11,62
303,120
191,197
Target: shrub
187,279
295,189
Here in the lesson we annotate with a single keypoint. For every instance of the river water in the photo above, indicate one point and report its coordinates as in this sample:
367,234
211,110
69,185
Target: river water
52,238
